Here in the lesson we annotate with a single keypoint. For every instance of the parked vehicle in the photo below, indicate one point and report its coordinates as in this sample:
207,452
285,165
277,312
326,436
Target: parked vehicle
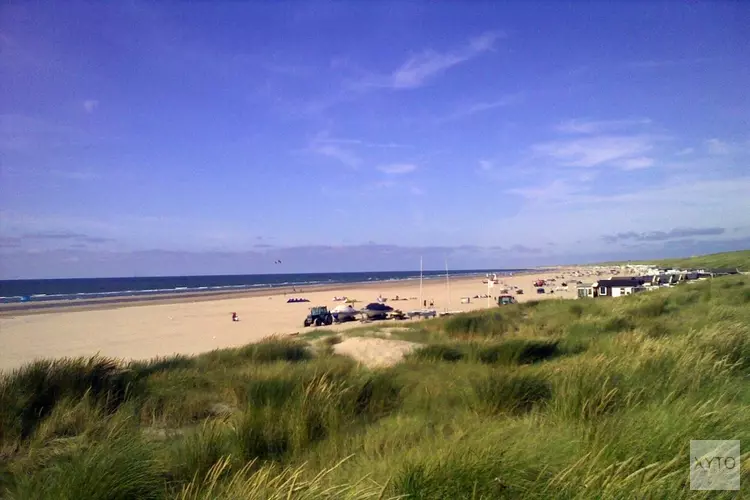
319,316
540,291
504,300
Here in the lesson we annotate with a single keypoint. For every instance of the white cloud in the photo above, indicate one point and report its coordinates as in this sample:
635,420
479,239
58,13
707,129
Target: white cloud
717,147
568,211
485,165
598,126
397,168
420,68
363,143
345,156
637,163
556,191
594,151
90,105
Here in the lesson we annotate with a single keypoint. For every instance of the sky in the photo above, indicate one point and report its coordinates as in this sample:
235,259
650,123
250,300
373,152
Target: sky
162,138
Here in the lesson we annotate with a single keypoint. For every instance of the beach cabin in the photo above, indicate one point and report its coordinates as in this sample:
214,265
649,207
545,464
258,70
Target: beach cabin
618,287
586,290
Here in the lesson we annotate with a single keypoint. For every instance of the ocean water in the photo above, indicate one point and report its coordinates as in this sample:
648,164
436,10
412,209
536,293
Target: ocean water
41,290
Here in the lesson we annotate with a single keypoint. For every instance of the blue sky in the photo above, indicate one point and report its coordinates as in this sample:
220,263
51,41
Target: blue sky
216,137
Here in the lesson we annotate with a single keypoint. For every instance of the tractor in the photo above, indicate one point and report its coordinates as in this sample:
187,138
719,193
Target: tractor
319,316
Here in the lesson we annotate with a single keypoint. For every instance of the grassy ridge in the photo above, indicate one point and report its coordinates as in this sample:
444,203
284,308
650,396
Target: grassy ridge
731,260
556,399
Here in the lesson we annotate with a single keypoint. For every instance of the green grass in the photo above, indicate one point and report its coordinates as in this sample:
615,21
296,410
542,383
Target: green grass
725,260
553,399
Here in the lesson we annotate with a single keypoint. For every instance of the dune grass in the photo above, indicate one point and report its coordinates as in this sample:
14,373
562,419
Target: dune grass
556,399
725,260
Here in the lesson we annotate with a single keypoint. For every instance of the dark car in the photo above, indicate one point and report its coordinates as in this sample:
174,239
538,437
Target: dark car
540,290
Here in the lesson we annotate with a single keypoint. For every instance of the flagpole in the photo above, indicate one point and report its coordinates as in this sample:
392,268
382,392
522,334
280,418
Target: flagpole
420,282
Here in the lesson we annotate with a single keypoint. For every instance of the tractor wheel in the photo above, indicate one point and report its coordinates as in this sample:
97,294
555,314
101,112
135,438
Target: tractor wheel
318,322
329,320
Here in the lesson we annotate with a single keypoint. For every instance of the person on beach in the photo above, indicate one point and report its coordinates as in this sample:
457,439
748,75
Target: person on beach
235,317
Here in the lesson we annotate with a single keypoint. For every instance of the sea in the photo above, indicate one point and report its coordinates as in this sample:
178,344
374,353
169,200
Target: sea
76,289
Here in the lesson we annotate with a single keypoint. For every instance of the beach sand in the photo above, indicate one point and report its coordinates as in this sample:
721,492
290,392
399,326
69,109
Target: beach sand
191,326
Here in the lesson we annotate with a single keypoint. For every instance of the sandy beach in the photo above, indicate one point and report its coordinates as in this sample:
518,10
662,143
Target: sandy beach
191,325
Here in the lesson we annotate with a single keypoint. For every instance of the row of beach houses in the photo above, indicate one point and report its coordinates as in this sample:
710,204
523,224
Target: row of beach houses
646,278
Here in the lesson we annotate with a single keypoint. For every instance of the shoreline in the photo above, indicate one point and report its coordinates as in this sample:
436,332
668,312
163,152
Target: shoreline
102,303
134,328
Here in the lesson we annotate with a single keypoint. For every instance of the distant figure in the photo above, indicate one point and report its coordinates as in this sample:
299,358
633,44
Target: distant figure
235,317
425,303
432,303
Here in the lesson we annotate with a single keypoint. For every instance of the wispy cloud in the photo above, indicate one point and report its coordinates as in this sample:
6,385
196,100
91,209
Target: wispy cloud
67,236
486,165
321,145
717,147
482,106
556,191
90,105
672,234
363,143
685,152
420,68
598,126
637,163
397,168
665,63
596,151
22,132
75,175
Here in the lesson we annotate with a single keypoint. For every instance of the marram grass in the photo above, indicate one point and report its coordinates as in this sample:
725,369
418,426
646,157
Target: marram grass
555,399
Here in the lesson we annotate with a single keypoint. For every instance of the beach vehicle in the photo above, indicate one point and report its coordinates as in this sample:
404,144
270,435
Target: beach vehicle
519,291
376,310
540,290
504,300
344,312
539,283
319,316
